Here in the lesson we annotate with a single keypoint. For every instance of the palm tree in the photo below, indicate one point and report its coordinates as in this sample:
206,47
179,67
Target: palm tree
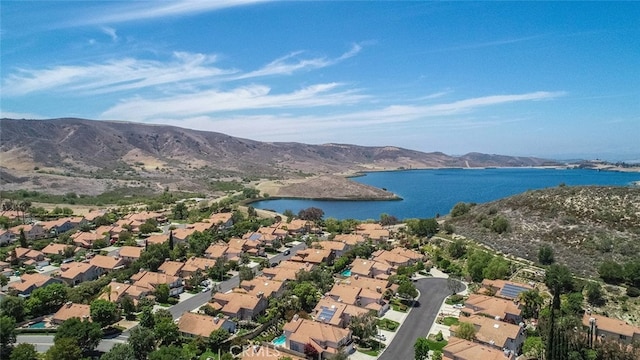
532,302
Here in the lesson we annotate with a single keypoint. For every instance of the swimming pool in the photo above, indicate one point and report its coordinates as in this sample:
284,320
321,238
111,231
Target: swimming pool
346,273
280,340
38,325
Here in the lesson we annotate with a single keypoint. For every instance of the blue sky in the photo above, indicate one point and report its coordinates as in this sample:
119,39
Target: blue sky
551,79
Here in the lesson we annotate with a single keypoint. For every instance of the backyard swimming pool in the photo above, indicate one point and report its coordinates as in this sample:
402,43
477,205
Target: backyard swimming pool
346,273
38,325
280,340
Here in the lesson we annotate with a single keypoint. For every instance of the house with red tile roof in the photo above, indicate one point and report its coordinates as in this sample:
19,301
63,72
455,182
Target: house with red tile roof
222,220
239,305
56,249
350,239
219,250
71,310
338,248
194,325
172,268
370,268
116,291
460,349
495,333
503,288
130,253
494,307
364,298
150,280
25,254
607,328
336,313
86,239
31,232
157,239
30,282
326,339
193,264
263,285
107,263
74,273
314,256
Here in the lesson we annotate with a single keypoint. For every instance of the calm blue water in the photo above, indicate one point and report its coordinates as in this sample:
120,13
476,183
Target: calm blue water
38,325
346,273
280,340
426,193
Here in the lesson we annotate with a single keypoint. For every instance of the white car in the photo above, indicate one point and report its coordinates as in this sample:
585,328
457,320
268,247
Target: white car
458,306
380,337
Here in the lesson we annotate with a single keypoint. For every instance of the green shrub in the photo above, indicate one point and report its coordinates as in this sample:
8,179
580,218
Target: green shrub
633,291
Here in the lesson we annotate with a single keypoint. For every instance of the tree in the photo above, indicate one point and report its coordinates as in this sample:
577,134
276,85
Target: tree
423,227
460,209
245,273
421,348
311,214
103,312
146,318
162,293
558,279
500,224
307,293
46,299
363,326
7,334
545,255
217,337
437,355
611,272
147,228
120,352
83,332
24,351
310,351
180,211
594,294
407,289
457,249
386,220
455,285
498,268
533,346
166,331
143,341
476,263
466,331
64,349
531,301
167,353
12,306
22,239
127,305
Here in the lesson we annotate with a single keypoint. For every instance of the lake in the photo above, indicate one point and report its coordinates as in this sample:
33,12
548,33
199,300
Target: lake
426,193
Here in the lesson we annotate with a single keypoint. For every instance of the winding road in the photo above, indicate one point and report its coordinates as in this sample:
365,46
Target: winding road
433,291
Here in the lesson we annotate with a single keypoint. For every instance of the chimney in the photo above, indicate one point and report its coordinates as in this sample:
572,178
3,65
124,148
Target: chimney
378,289
216,320
296,317
68,304
260,294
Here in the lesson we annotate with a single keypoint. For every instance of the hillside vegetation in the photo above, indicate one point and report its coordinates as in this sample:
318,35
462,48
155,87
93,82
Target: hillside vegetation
584,225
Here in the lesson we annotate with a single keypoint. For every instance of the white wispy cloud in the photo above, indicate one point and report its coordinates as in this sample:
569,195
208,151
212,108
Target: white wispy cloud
242,98
111,32
114,75
487,44
292,62
19,115
146,10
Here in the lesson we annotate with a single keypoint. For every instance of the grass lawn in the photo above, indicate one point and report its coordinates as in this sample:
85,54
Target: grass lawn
164,305
209,355
387,324
437,345
450,320
369,352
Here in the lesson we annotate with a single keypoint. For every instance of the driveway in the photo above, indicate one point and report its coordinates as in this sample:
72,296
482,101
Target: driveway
433,291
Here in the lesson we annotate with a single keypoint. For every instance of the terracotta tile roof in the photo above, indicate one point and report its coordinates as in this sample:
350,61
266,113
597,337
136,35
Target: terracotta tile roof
410,254
460,349
280,274
333,245
133,252
199,325
367,283
313,256
104,229
107,262
611,325
149,280
491,331
172,268
220,218
86,238
182,234
198,263
55,249
71,270
237,244
144,216
70,310
490,306
368,226
215,251
350,239
338,309
233,302
262,285
345,293
28,280
25,253
304,331
27,228
157,239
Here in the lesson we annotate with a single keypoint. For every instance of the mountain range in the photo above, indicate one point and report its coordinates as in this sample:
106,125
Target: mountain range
114,154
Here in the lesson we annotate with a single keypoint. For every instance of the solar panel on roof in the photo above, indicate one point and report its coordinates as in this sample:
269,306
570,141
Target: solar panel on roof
327,313
512,291
254,237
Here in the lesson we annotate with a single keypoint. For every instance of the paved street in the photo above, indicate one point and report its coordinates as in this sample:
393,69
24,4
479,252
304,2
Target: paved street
433,291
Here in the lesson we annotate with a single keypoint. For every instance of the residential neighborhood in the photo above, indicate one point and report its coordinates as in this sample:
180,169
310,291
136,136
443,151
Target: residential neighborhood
279,289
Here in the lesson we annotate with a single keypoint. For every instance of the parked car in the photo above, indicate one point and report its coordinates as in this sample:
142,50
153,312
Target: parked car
287,252
458,306
380,337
